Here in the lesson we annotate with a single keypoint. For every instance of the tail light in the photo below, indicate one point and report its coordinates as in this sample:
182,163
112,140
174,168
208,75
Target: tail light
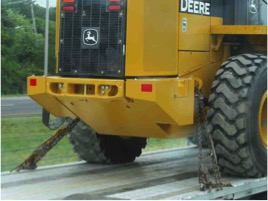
114,5
68,1
68,9
33,82
68,6
146,87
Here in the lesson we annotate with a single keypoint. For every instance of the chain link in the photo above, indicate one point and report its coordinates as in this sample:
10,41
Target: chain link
203,133
45,147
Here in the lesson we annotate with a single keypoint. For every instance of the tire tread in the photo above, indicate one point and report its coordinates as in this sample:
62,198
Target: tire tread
104,149
227,113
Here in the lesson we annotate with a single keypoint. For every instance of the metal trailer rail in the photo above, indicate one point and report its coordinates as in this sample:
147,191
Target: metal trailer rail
169,174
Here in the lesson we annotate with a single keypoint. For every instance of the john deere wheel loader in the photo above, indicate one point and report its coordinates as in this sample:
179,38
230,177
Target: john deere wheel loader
129,70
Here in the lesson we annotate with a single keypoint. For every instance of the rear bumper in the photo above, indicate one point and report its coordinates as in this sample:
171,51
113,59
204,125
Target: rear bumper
134,107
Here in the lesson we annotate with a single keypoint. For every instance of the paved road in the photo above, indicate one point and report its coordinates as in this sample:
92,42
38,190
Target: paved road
169,174
13,107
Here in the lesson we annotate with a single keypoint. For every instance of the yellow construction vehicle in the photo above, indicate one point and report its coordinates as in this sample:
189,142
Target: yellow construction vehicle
131,69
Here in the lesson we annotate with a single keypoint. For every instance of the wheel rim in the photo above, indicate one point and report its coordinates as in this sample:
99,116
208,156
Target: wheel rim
263,120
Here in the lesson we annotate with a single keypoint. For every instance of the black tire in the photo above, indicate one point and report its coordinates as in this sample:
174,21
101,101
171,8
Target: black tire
105,149
239,86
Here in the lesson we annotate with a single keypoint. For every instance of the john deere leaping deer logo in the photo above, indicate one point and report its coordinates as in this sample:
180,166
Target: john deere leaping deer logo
90,37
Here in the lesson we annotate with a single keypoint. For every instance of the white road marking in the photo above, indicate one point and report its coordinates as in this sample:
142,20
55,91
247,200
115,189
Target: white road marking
7,105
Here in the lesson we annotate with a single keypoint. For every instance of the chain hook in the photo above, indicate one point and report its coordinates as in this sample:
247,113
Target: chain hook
198,83
252,7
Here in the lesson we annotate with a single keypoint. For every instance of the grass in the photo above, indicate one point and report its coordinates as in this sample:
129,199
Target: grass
21,136
159,144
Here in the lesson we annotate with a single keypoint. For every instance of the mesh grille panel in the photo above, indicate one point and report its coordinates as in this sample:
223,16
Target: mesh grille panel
104,59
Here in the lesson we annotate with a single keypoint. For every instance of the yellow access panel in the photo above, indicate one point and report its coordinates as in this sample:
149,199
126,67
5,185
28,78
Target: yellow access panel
151,39
194,26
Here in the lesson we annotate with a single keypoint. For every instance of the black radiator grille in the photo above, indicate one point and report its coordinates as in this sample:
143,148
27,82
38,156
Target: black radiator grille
106,58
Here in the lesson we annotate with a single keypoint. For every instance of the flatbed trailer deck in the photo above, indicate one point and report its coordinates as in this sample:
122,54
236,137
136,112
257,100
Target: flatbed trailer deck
167,175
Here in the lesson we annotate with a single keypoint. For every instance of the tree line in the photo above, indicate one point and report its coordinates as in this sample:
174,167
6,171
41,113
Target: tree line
22,49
